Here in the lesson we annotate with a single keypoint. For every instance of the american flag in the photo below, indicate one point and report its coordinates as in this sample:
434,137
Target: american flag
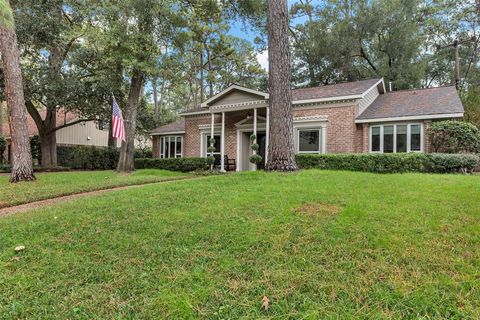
118,127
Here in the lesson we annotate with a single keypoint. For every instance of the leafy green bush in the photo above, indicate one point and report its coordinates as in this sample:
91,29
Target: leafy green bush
255,158
143,153
444,163
93,158
390,162
35,148
454,137
5,167
173,164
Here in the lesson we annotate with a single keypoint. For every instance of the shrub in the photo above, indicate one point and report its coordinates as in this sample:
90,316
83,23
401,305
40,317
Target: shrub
143,153
454,137
93,158
255,158
90,158
444,163
390,162
173,164
35,148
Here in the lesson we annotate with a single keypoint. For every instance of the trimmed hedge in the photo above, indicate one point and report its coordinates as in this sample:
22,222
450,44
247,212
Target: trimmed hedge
93,158
87,157
391,162
173,164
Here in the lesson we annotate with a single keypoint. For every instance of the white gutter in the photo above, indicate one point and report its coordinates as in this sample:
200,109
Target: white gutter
194,113
352,97
407,118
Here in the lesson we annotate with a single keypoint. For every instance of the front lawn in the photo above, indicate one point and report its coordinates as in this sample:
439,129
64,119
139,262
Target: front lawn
318,244
56,184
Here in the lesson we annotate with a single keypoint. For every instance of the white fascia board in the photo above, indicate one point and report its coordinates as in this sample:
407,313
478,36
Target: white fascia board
408,118
167,133
194,113
374,86
234,87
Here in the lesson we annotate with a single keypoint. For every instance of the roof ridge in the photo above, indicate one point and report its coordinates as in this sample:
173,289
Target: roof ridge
335,84
419,89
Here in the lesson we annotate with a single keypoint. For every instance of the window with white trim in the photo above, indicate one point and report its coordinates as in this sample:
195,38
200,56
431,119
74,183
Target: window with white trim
171,147
309,140
396,138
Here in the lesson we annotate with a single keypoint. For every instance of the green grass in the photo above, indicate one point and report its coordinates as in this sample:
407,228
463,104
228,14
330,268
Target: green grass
56,184
402,246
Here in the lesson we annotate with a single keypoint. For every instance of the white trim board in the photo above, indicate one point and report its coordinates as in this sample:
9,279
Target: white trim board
231,88
408,118
167,133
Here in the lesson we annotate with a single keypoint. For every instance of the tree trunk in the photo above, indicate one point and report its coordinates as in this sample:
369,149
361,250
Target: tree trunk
155,95
48,139
202,81
21,157
125,162
281,155
48,145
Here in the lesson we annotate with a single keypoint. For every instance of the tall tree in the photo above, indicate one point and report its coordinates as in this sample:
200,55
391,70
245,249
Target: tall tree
60,68
21,157
280,153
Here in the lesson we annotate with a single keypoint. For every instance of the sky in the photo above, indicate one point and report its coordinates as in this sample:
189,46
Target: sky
238,29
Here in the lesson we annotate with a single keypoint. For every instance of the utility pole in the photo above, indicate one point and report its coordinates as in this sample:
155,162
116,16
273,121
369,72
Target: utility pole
456,45
457,64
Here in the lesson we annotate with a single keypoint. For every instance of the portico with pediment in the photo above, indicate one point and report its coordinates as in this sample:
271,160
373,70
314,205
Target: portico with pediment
239,117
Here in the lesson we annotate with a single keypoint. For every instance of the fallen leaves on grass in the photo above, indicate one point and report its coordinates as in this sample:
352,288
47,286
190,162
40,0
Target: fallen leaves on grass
19,248
265,303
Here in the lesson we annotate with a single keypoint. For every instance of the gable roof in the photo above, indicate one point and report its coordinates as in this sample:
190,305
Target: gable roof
439,102
233,87
174,127
351,90
62,118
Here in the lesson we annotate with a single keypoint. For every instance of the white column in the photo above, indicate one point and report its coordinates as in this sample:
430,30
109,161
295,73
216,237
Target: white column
212,132
255,132
222,145
267,134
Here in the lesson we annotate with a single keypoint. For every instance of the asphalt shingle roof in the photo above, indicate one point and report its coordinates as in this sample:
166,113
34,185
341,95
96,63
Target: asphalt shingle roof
178,125
442,100
334,90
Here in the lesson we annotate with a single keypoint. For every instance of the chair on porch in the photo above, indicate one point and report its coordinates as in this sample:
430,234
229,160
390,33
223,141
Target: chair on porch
229,164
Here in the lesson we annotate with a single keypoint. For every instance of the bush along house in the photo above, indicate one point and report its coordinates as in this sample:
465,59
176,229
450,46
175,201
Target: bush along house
353,117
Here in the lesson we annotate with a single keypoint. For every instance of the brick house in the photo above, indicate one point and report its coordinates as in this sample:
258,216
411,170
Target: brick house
351,117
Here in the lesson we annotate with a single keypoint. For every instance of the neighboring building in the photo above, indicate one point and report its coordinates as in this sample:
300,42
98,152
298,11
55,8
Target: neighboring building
348,117
88,133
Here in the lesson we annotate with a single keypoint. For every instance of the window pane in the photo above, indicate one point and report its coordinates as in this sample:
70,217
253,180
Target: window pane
388,139
375,138
415,137
309,141
161,146
402,138
166,151
172,147
179,145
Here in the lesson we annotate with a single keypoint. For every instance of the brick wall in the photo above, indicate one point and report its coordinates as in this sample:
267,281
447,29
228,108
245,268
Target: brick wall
342,133
191,139
155,146
427,144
